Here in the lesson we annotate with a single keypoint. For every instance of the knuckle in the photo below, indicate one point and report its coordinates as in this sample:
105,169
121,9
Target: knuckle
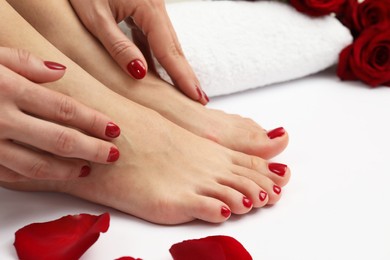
174,50
66,109
119,48
254,163
39,170
65,143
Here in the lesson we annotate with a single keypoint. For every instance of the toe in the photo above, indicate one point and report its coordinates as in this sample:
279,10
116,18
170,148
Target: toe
208,209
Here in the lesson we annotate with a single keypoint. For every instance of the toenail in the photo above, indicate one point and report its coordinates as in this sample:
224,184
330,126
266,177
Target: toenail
112,130
113,155
278,132
200,95
278,168
85,171
225,212
263,195
247,202
137,69
277,189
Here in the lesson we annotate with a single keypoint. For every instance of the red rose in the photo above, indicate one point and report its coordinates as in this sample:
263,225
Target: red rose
360,16
317,7
368,58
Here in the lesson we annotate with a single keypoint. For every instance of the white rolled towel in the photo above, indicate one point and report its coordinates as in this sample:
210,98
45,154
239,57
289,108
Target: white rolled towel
237,45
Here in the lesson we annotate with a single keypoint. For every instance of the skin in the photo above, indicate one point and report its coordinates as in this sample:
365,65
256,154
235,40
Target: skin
100,17
232,131
165,174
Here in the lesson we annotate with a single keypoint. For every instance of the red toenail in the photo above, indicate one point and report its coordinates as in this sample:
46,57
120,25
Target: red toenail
278,168
85,171
225,212
277,189
263,195
113,155
112,130
247,202
278,132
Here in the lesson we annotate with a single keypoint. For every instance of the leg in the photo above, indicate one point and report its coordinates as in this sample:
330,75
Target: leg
234,132
165,174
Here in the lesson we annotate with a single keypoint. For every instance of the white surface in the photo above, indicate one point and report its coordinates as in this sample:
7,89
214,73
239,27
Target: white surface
235,45
336,205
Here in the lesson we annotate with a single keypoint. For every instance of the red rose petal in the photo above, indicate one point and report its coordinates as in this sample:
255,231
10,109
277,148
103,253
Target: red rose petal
65,238
212,247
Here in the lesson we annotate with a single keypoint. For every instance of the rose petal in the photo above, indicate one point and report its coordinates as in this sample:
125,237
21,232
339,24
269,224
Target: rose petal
212,247
65,238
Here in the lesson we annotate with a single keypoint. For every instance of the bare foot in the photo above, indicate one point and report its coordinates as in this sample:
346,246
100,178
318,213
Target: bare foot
167,175
232,131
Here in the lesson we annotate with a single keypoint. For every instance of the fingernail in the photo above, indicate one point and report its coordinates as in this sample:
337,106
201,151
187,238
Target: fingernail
225,212
263,195
247,202
200,95
85,171
278,132
206,97
112,130
113,155
137,69
278,168
54,65
277,189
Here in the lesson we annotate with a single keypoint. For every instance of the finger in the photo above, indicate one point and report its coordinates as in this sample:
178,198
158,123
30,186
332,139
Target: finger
122,50
60,108
30,66
7,175
166,48
62,141
37,165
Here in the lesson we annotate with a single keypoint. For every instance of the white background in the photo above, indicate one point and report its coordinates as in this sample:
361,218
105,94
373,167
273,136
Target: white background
336,205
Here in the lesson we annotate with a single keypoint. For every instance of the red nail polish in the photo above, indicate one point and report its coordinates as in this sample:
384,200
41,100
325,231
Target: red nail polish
225,212
263,195
137,69
206,97
278,168
113,155
247,202
85,171
200,95
278,132
277,189
112,130
54,65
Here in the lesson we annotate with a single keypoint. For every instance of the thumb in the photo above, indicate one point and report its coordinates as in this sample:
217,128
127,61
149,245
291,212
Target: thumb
29,66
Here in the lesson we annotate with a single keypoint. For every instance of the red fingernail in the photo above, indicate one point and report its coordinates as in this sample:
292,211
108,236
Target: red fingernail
112,130
85,171
54,65
137,69
225,212
200,95
278,132
277,189
263,195
113,155
247,202
278,168
206,97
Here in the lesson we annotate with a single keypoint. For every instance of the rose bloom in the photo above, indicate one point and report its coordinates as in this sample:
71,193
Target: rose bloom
317,7
360,16
368,57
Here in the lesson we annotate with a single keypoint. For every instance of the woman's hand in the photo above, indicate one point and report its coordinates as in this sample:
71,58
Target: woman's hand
101,17
38,127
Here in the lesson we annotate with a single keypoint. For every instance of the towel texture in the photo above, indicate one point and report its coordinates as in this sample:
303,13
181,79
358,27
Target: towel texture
234,46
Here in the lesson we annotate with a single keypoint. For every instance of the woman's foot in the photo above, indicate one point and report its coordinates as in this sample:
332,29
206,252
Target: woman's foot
231,131
167,175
